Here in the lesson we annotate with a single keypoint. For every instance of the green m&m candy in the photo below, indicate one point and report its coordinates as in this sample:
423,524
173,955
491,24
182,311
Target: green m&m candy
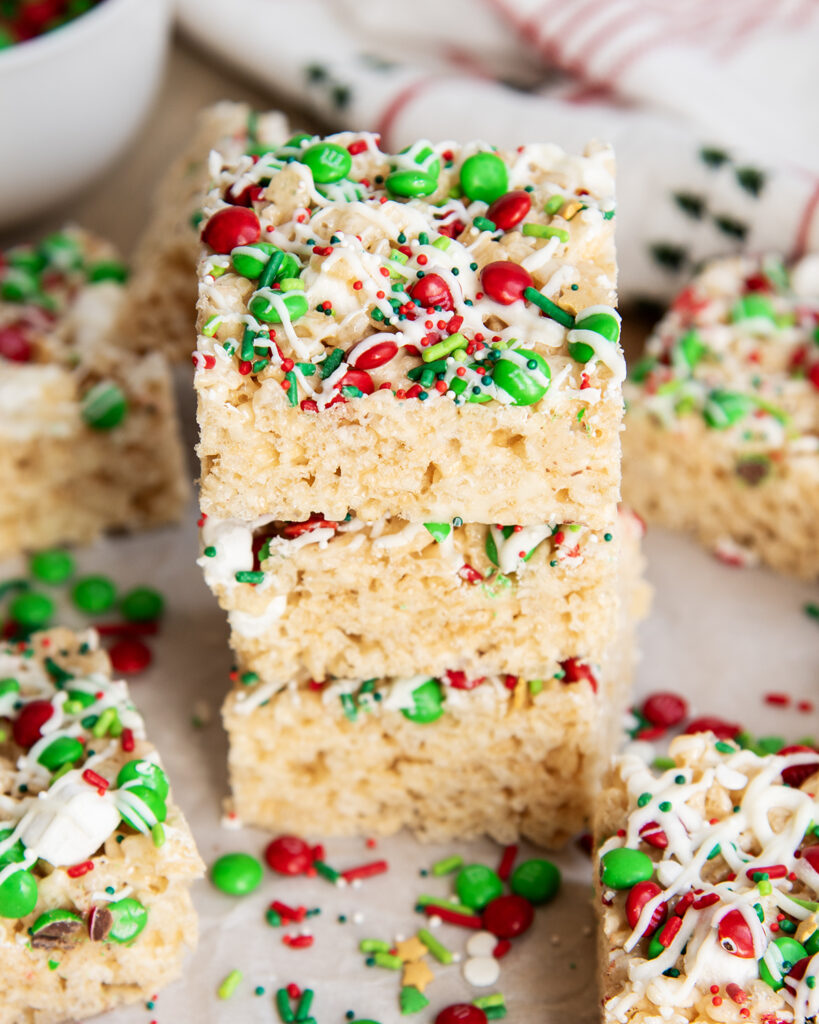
53,566
417,174
484,176
61,251
623,868
18,894
779,958
104,406
64,750
811,944
427,703
523,374
129,918
141,807
595,320
142,604
250,260
94,594
264,304
14,854
297,141
477,885
236,874
327,161
689,350
56,928
26,257
32,610
725,408
143,773
536,880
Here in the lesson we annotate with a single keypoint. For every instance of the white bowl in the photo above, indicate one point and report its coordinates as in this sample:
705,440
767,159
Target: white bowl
71,100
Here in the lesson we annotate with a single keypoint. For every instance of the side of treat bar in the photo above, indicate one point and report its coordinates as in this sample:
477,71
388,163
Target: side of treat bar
317,599
89,431
446,757
707,885
365,327
722,430
96,860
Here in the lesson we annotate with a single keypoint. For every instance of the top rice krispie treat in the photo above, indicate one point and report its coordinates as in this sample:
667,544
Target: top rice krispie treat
708,884
428,334
723,413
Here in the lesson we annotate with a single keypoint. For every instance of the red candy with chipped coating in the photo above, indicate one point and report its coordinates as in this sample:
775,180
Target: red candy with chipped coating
289,855
27,727
461,1013
637,898
229,227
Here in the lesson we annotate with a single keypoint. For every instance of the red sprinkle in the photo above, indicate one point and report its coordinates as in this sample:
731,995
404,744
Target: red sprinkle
291,914
502,948
359,146
99,783
775,871
78,870
127,740
672,926
298,941
664,709
781,700
376,867
453,917
507,861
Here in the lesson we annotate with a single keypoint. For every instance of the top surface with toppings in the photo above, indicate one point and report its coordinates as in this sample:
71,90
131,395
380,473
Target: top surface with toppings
465,273
58,299
711,881
740,349
75,766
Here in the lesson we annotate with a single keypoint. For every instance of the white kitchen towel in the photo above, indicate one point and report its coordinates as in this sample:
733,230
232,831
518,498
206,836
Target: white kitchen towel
710,104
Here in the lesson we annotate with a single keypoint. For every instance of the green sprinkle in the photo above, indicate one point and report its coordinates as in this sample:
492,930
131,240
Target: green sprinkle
442,243
249,678
812,610
443,348
331,363
535,686
550,308
388,961
326,871
484,224
553,204
665,806
438,949
643,799
725,748
272,918
374,946
543,231
286,1014
249,576
447,865
212,325
484,1002
439,901
229,985
158,834
103,723
53,965
293,388
306,1001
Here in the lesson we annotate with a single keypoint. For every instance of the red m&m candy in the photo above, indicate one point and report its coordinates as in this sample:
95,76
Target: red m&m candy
505,282
33,716
509,209
289,855
431,290
796,774
735,935
229,227
508,916
130,655
637,898
14,345
376,355
664,709
461,1013
358,379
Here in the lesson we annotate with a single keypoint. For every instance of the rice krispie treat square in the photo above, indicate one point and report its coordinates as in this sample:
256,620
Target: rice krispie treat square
722,424
88,431
708,886
96,860
317,599
427,334
447,757
160,300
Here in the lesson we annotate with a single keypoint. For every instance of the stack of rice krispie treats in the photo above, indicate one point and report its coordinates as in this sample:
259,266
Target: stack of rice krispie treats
409,396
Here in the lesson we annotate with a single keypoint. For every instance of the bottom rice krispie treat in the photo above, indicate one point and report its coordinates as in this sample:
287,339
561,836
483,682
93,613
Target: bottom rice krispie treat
454,756
722,423
708,886
89,438
96,861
